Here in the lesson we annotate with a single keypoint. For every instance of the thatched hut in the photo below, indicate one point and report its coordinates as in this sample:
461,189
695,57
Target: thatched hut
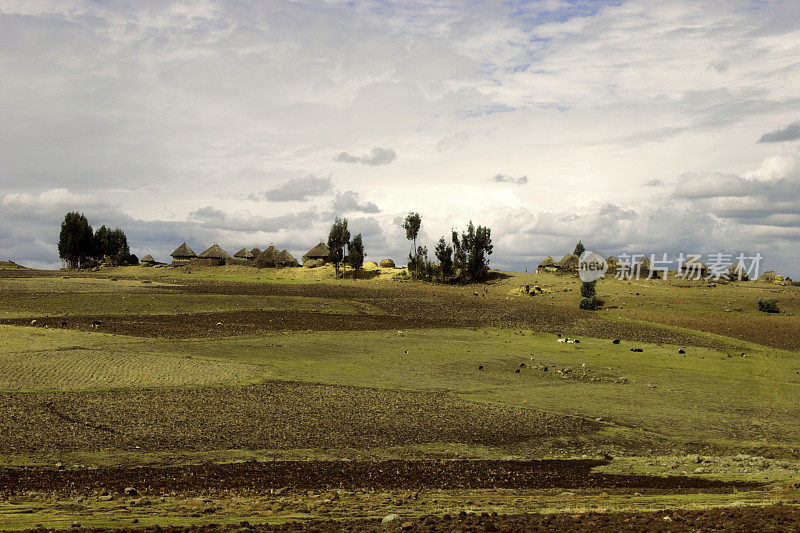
548,264
213,256
644,269
388,263
612,263
266,259
694,269
569,263
147,260
737,273
285,259
256,252
768,277
244,255
320,251
182,255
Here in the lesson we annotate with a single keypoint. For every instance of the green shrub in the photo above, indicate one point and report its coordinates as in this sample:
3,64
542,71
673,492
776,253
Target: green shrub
589,303
768,305
588,289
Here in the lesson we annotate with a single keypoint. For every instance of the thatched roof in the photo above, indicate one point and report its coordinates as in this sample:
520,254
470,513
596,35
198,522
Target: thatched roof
183,251
548,262
737,272
284,258
769,275
612,260
256,252
569,262
243,254
320,251
267,257
693,264
214,252
147,259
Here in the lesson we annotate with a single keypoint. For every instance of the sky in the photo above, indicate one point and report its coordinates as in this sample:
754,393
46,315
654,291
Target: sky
637,127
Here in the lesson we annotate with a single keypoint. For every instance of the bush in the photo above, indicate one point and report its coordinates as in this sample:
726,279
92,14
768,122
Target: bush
589,303
588,289
767,305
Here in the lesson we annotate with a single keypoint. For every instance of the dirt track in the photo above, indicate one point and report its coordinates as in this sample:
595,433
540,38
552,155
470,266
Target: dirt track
274,415
256,477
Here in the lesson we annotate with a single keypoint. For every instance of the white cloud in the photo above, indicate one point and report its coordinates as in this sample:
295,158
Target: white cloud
141,115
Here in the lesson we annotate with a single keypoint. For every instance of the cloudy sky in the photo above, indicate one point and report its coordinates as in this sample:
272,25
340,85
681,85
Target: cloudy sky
637,126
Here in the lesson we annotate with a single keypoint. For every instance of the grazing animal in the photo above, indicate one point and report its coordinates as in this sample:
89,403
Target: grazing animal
636,350
522,365
681,351
615,341
562,340
516,371
96,324
480,367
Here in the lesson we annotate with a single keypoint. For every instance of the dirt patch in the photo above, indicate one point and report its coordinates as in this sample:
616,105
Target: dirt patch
224,324
275,415
257,477
737,519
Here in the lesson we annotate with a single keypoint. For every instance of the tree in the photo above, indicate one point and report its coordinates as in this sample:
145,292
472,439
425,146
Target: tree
476,244
444,253
355,254
579,249
459,256
76,240
111,243
412,224
338,238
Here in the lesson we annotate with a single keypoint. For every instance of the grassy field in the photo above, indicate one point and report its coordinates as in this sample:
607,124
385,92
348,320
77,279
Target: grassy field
732,395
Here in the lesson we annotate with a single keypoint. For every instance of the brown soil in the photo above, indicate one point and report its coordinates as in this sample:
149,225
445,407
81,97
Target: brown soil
274,415
734,519
257,477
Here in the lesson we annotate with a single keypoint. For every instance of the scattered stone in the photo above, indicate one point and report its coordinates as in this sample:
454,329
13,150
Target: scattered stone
407,526
389,518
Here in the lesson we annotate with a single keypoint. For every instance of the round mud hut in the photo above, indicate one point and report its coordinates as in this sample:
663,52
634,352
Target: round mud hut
182,255
214,256
285,259
694,269
244,256
547,265
768,277
569,264
737,273
266,259
320,251
147,260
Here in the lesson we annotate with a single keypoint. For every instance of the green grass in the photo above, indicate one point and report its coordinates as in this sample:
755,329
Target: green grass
704,394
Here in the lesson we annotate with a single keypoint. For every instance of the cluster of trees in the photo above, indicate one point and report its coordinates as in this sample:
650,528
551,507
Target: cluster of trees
465,258
80,247
343,249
